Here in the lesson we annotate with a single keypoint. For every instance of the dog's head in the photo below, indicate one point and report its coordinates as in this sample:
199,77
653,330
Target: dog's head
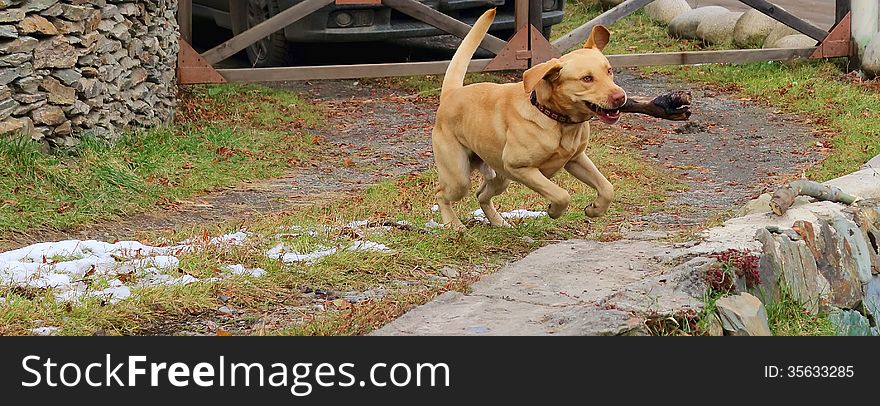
580,83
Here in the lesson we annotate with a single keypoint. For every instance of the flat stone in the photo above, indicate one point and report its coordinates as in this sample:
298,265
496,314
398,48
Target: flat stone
837,266
685,25
48,115
14,59
850,323
7,106
569,288
37,24
8,31
872,297
11,15
68,27
28,98
38,5
664,11
20,44
718,28
752,29
54,53
67,76
58,93
13,124
449,272
743,315
795,263
74,12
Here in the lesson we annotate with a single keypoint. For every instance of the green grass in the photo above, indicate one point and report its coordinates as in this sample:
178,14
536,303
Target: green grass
405,273
818,90
224,134
788,318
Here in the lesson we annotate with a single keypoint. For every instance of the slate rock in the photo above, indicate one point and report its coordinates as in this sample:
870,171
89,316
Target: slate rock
743,315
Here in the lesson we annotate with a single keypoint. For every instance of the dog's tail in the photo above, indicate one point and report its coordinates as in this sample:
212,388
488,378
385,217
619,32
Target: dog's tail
458,66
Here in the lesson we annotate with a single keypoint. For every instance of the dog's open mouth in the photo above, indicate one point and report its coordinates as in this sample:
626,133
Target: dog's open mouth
606,115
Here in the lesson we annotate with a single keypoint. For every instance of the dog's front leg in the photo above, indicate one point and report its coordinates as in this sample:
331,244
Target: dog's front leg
535,180
582,168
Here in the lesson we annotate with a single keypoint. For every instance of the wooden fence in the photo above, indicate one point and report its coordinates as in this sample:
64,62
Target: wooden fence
526,48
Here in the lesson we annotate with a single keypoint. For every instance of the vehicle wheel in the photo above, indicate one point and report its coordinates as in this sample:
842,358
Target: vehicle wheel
273,50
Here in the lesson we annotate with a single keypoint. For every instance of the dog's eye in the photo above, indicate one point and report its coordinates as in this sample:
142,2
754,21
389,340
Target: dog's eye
587,78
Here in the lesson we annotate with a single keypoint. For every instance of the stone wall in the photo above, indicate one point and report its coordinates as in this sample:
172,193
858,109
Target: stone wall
73,67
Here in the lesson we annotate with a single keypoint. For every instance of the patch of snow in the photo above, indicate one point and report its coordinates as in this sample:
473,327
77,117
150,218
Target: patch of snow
479,215
435,208
433,224
44,331
368,246
279,252
239,269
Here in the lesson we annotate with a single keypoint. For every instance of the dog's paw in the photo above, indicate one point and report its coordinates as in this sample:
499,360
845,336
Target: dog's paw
593,211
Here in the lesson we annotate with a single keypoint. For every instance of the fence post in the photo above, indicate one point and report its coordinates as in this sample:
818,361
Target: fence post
865,21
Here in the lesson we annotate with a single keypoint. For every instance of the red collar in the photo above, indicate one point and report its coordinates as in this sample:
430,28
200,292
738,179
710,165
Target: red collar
562,118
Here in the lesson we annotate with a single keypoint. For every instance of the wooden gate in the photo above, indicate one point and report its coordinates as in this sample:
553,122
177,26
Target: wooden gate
526,48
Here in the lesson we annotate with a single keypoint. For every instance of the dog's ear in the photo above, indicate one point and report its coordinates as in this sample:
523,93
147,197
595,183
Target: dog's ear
548,70
598,38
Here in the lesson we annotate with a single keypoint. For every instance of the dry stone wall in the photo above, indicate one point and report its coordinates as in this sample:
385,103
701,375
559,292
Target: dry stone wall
75,67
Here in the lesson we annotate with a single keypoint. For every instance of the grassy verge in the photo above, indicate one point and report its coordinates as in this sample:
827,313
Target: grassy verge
223,135
309,299
843,109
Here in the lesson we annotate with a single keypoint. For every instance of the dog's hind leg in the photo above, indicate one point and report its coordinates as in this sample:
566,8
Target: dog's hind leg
582,168
453,175
490,188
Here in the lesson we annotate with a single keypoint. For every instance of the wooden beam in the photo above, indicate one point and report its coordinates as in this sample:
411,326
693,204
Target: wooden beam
443,22
521,16
702,57
773,11
841,9
264,29
184,19
344,71
580,34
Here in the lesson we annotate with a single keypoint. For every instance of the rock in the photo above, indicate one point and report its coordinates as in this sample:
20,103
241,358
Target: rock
48,115
795,263
20,44
29,98
743,315
37,24
752,29
871,57
9,74
13,124
682,287
867,218
8,31
38,5
55,53
834,262
795,41
62,130
67,76
14,59
761,204
863,183
685,25
449,272
779,31
850,323
11,15
88,88
7,106
225,310
58,93
718,28
68,27
664,11
872,298
74,12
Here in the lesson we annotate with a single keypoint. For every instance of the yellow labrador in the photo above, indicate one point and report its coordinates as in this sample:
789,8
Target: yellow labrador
525,131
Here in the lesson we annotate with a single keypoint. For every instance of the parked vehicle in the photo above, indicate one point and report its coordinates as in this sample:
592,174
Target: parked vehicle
356,23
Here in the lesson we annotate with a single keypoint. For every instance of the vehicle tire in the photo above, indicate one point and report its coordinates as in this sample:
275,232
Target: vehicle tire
273,50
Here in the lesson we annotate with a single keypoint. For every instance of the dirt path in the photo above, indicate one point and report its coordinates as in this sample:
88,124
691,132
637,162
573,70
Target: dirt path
728,153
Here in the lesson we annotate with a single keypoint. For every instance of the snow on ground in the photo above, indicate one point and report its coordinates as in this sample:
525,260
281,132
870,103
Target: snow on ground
280,251
65,266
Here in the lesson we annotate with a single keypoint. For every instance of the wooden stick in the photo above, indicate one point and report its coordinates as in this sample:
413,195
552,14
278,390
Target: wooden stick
784,197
